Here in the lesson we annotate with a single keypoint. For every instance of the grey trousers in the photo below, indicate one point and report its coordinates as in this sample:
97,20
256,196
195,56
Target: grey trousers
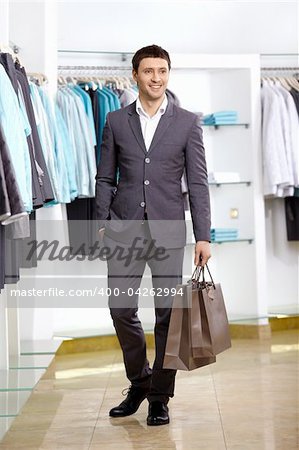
124,279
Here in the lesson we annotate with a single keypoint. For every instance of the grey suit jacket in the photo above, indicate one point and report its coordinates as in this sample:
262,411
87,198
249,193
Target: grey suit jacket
130,178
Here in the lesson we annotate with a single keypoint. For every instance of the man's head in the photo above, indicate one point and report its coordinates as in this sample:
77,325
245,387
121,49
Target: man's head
151,51
151,66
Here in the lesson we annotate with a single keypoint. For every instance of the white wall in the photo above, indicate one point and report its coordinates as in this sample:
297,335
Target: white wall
4,22
4,38
181,26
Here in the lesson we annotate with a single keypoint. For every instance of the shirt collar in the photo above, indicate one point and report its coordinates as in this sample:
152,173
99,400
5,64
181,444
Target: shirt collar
161,110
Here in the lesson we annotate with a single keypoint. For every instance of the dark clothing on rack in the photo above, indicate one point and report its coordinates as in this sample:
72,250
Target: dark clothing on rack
25,248
4,199
295,95
9,66
44,192
11,202
2,257
95,107
81,225
16,251
292,218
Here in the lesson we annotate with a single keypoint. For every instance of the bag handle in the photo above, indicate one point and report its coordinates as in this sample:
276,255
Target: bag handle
201,270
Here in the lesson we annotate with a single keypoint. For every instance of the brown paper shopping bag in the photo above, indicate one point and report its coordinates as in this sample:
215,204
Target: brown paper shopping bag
213,337
178,353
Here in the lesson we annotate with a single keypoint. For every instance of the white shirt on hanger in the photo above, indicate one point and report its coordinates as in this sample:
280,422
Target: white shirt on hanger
276,173
149,124
294,133
284,190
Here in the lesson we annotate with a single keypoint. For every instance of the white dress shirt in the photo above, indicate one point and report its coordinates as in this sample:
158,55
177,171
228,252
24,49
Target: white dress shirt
276,173
149,124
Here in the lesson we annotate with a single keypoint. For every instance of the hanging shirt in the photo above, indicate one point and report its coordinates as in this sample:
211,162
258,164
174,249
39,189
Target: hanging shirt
293,157
14,131
128,96
46,139
88,109
149,124
275,168
76,119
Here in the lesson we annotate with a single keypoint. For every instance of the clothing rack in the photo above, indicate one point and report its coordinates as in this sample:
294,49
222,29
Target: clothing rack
124,55
94,68
291,69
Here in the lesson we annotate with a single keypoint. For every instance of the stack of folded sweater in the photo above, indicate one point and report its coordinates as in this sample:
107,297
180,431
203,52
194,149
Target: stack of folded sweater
221,118
224,234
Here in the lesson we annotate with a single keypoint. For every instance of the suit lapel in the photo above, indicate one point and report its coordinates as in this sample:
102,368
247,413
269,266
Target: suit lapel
134,122
163,124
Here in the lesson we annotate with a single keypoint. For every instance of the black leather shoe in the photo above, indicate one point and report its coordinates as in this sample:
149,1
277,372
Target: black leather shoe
135,397
157,413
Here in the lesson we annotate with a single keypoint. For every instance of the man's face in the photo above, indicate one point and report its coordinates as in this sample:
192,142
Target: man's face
152,78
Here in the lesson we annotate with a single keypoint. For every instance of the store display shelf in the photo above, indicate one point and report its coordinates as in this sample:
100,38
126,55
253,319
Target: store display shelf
42,347
218,184
19,380
215,126
227,241
30,362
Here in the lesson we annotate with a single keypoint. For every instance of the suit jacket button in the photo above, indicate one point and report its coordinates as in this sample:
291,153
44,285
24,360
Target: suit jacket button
146,182
147,160
142,204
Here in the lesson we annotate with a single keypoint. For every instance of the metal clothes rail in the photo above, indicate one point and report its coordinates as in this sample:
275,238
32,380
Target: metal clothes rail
291,69
124,55
94,68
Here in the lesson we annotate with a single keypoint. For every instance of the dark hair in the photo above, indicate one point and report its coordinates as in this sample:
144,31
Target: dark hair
151,51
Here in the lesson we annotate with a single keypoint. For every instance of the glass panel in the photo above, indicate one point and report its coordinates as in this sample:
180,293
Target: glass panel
5,423
12,402
39,347
19,380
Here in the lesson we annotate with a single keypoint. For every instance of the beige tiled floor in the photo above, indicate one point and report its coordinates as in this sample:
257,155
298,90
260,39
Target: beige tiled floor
247,400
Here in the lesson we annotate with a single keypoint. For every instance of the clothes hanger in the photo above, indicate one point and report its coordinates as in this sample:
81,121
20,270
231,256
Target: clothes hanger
71,79
293,82
39,77
284,83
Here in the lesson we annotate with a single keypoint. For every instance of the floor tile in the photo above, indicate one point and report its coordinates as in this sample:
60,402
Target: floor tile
248,400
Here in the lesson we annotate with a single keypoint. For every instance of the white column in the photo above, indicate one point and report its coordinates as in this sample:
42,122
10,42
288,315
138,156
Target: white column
4,22
33,28
3,333
4,39
12,315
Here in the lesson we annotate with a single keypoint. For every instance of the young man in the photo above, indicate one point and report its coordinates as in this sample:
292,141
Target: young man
146,147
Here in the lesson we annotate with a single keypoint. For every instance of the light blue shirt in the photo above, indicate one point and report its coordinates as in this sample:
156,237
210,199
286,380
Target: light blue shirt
73,111
63,194
88,109
46,138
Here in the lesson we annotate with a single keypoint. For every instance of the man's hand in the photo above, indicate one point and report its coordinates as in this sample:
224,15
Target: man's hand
101,233
202,253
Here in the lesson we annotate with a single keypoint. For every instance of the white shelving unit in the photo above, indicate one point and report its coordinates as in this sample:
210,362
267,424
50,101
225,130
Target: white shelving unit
210,83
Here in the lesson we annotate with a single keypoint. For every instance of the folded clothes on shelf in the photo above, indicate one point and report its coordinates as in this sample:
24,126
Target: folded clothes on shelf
224,177
227,234
220,118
